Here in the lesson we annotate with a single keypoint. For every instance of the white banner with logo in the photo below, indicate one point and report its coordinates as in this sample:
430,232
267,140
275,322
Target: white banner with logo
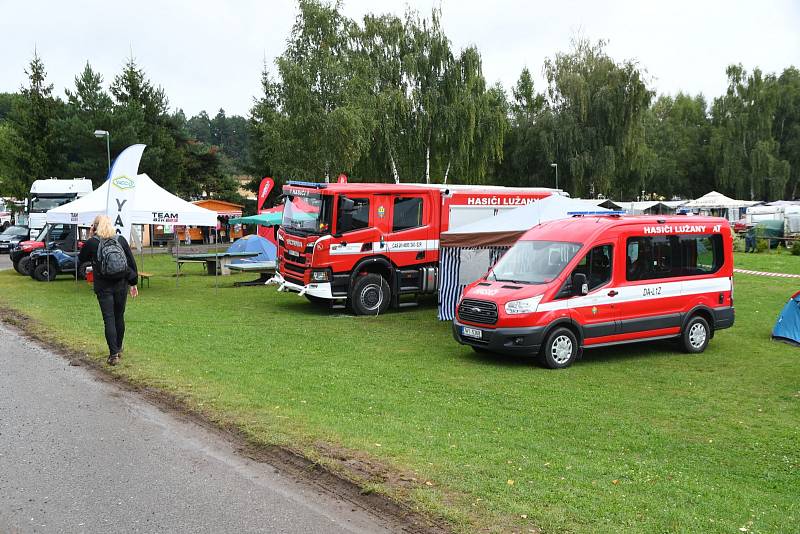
122,188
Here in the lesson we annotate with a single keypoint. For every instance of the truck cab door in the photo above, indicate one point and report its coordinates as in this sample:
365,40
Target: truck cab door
409,240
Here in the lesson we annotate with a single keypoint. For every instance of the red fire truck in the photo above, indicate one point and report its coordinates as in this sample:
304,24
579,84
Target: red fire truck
370,246
603,280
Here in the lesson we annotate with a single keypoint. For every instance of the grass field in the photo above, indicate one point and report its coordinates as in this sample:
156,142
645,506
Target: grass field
639,438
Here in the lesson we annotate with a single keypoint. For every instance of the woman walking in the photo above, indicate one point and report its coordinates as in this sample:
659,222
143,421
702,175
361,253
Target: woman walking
114,270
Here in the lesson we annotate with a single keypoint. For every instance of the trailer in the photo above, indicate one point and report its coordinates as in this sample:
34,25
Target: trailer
51,193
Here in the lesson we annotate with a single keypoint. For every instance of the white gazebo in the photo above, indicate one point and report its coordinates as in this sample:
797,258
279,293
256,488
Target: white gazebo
130,198
718,204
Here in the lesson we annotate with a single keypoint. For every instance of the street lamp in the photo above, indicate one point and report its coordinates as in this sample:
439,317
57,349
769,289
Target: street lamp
556,167
104,133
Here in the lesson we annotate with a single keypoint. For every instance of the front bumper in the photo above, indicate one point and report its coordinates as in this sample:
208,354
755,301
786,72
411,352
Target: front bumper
322,291
518,341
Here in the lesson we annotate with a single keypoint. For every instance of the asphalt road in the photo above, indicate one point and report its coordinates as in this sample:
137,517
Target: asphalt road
80,455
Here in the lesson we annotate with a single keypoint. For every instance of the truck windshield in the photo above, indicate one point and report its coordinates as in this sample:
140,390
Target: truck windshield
308,214
534,262
40,204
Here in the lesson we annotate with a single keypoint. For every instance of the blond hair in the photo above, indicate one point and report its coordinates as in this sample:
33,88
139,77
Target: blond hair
103,228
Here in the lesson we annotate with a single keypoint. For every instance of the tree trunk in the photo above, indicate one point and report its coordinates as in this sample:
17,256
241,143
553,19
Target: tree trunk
428,156
447,171
428,164
394,169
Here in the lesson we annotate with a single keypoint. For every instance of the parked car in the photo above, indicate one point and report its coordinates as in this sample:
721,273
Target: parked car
61,234
47,263
11,237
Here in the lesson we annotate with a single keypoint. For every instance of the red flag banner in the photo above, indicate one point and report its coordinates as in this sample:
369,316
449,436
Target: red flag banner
263,191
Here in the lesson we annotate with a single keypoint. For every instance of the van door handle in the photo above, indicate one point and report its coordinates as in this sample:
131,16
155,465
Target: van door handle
613,293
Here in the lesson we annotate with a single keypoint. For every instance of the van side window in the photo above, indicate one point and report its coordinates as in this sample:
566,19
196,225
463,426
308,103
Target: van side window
407,213
596,265
649,258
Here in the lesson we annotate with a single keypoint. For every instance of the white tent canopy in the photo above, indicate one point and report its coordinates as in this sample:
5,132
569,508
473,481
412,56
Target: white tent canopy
714,200
150,205
506,228
468,251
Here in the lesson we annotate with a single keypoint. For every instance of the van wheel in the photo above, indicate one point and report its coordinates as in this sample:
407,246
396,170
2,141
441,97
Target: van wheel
44,274
696,335
560,350
370,295
24,266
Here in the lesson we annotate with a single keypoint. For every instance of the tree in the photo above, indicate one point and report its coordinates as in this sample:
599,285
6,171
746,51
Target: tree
677,132
529,147
33,117
88,108
786,126
429,67
319,105
383,42
745,153
598,106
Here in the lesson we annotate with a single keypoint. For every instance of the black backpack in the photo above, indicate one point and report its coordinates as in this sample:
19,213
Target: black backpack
111,260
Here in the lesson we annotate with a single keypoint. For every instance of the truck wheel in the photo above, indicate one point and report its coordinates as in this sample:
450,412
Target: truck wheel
24,266
696,335
44,274
370,295
560,349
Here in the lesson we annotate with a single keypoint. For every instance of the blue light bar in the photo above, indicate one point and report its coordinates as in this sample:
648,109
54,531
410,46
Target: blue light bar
612,213
312,185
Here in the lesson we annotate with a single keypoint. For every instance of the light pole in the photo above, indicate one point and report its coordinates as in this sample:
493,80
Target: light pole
104,133
556,167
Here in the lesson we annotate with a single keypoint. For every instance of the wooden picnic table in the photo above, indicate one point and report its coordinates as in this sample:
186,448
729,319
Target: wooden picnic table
265,269
216,260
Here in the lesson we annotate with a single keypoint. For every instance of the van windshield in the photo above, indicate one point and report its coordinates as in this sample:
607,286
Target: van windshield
534,262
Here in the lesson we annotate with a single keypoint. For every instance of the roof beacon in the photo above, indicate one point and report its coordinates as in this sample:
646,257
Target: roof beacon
313,185
617,213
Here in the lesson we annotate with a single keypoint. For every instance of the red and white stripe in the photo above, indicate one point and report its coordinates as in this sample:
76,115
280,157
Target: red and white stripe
763,273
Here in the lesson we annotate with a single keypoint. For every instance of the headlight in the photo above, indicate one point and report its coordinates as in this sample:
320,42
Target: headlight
320,276
523,306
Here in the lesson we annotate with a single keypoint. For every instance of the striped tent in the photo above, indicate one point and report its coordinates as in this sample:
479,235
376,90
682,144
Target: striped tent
469,251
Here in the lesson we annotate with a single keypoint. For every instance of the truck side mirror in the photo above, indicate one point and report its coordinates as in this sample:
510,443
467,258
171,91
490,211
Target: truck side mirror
579,284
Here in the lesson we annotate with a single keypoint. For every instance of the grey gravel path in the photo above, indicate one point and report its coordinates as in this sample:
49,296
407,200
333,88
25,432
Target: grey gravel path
79,455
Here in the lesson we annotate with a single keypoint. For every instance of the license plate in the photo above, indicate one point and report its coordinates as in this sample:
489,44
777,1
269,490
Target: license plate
293,253
471,332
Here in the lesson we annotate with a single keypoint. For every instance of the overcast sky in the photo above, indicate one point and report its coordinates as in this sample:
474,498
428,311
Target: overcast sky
208,55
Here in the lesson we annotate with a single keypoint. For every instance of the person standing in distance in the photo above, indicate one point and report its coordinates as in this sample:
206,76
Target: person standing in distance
114,270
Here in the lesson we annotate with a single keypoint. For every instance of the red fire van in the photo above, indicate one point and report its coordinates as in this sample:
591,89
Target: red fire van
593,281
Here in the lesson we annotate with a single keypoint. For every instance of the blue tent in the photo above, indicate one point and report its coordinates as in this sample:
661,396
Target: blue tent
788,326
253,243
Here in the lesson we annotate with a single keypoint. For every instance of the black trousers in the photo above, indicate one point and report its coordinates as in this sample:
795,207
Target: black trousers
112,305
